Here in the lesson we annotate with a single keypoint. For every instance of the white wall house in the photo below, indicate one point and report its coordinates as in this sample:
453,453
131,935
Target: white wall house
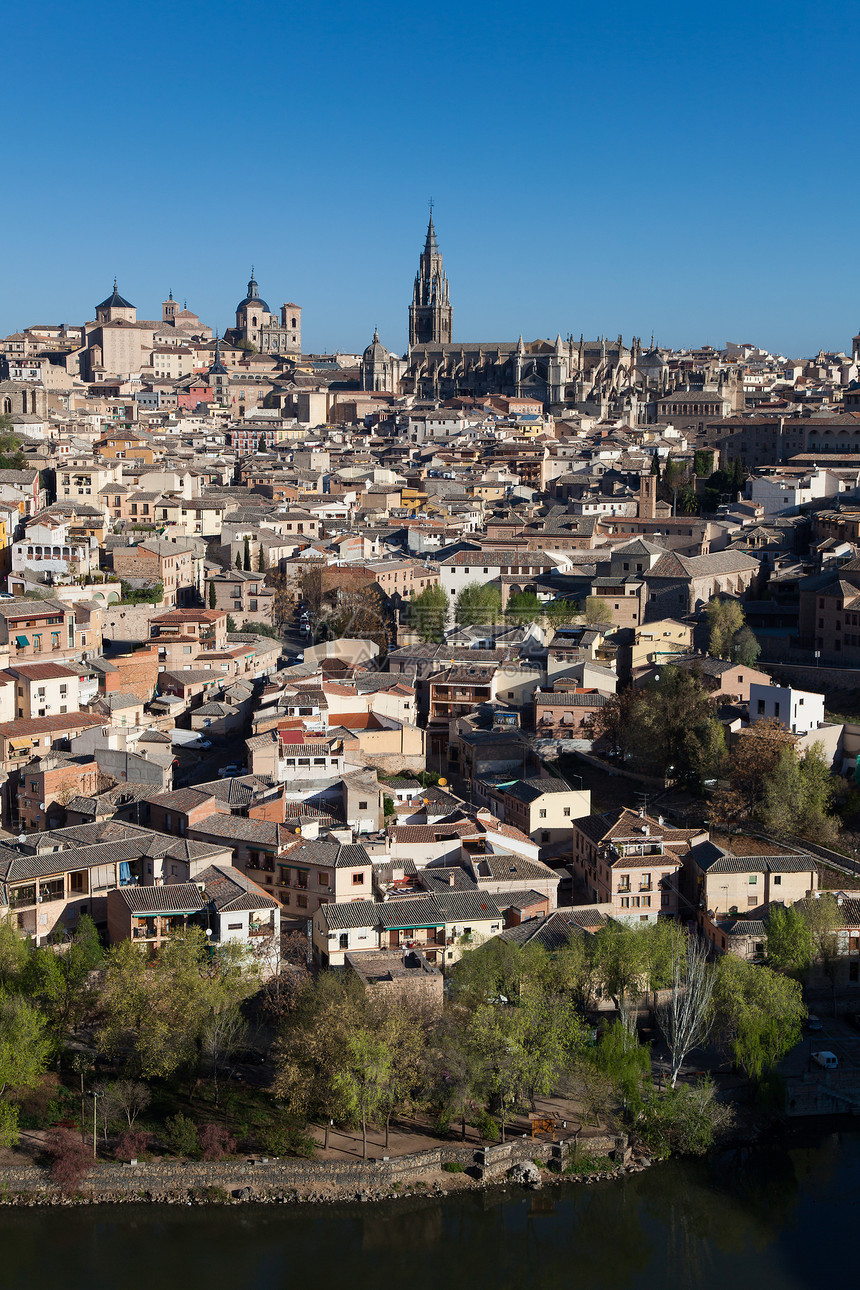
49,548
800,711
785,495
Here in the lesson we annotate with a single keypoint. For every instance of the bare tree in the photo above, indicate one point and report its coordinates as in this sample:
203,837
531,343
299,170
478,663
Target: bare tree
130,1098
687,1016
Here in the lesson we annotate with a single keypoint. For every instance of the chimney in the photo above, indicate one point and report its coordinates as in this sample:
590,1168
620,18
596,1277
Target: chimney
451,879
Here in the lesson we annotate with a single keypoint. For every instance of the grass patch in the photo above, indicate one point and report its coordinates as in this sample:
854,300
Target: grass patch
454,1167
586,1165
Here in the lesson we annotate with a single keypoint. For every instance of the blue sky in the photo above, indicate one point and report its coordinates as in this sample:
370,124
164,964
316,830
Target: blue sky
686,170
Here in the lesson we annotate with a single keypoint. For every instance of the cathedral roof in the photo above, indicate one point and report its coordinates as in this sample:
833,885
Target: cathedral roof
115,301
253,297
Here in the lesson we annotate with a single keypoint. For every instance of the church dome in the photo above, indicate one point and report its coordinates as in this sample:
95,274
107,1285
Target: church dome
376,351
253,298
115,301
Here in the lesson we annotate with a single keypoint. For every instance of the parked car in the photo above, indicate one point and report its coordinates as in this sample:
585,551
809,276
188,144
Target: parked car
205,743
813,1022
227,772
827,1060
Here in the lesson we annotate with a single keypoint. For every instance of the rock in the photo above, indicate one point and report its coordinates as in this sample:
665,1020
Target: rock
242,1193
525,1174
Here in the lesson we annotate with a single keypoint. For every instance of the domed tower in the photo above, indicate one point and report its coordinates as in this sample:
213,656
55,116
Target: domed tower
252,315
115,309
430,314
375,365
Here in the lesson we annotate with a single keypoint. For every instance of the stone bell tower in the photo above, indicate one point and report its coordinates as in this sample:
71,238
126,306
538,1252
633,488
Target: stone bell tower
430,314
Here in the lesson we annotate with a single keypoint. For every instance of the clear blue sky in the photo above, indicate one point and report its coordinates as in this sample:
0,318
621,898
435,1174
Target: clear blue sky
687,170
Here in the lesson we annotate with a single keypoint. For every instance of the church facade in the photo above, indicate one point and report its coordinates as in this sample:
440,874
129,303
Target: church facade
268,333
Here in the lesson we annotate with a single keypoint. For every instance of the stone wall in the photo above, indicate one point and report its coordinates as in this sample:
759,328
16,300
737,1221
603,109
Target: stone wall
261,1176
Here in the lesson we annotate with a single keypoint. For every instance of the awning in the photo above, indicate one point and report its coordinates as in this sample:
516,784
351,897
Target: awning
18,744
22,640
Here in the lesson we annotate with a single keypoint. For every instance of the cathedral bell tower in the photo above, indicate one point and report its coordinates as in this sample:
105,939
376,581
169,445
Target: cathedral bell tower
430,312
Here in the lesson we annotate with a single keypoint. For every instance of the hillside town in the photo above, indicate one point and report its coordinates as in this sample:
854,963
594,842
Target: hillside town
398,656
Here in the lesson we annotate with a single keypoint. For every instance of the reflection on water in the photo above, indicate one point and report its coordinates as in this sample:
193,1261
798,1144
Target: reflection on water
778,1218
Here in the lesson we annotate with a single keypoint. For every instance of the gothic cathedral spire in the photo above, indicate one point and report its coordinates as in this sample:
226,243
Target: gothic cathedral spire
430,313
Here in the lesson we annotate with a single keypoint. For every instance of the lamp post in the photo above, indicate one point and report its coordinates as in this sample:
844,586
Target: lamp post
94,1095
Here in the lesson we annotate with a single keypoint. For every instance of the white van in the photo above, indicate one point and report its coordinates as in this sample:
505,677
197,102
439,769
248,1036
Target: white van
829,1061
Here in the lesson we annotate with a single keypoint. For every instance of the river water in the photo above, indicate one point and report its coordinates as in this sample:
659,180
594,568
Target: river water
772,1219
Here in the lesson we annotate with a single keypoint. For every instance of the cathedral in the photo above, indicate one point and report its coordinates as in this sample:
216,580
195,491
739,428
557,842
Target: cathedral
601,377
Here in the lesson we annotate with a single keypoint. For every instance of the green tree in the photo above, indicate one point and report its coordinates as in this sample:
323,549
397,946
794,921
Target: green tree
675,729
759,1014
246,557
499,1057
478,603
238,560
400,1026
745,647
523,607
25,1048
428,613
363,1078
60,983
213,595
789,940
703,462
311,1048
231,624
619,956
154,1011
824,919
262,629
725,618
655,466
261,559
559,613
597,611
14,954
11,454
798,794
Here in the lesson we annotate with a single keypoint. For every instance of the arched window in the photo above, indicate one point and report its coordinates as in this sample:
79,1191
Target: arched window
7,405
294,322
254,321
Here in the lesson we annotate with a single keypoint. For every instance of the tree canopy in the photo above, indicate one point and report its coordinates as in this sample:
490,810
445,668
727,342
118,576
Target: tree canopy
478,603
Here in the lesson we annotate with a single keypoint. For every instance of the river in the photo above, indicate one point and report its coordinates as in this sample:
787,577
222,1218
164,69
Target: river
772,1219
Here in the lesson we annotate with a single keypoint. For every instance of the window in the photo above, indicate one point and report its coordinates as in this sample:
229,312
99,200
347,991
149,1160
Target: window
753,879
777,879
358,880
362,806
567,810
344,941
542,814
323,879
760,707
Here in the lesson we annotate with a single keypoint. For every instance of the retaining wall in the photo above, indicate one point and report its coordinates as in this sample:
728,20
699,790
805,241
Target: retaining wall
168,1178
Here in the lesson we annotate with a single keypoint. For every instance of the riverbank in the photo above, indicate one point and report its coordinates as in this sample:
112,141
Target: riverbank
436,1172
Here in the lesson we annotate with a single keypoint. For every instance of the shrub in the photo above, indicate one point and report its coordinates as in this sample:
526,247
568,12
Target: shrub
684,1120
70,1158
585,1165
215,1142
181,1136
288,1141
131,1144
454,1167
487,1127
